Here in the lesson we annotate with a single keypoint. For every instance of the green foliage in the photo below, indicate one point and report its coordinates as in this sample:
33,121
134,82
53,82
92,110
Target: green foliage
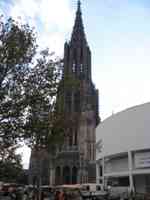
10,165
27,89
29,85
40,94
10,171
17,48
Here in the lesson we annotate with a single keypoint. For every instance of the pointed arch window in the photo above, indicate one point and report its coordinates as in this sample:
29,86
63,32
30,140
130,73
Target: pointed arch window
57,175
74,68
74,175
81,67
66,175
89,151
68,101
77,102
76,136
71,137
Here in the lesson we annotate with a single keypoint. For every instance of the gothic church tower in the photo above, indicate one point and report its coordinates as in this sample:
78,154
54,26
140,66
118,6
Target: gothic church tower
75,160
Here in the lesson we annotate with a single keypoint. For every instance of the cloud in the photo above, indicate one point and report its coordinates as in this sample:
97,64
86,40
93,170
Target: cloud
25,152
56,12
52,20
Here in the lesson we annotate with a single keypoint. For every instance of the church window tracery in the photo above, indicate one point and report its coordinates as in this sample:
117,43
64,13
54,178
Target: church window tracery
81,67
77,102
74,67
75,136
68,101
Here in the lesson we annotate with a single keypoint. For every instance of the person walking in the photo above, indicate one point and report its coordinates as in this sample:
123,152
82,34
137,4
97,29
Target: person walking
56,196
62,195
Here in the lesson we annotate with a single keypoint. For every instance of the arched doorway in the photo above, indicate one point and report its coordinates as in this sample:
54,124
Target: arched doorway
58,176
74,175
66,175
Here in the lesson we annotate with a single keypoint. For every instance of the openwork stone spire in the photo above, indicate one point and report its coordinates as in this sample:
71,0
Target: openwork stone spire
78,35
79,4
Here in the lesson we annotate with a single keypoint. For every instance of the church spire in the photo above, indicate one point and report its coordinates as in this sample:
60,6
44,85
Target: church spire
79,5
77,54
78,35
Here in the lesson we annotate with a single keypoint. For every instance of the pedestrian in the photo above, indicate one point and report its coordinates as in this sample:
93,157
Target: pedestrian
12,193
65,196
6,195
25,195
56,196
62,195
1,191
31,195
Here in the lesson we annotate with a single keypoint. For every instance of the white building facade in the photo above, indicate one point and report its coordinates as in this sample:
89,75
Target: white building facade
123,149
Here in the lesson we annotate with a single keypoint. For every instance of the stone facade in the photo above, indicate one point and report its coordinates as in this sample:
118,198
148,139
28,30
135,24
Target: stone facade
39,167
75,160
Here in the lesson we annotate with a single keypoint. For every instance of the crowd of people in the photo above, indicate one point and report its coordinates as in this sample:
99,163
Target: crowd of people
10,192
13,192
62,192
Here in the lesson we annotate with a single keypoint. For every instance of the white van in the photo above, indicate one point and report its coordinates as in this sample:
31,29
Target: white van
92,190
91,187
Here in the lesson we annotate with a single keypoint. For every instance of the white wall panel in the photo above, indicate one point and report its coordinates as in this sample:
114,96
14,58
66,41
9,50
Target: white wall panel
116,165
124,131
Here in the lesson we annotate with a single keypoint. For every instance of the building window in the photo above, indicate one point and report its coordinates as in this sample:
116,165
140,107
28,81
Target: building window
74,68
90,151
70,138
100,181
68,101
98,187
100,171
81,68
147,183
74,175
77,102
93,152
75,136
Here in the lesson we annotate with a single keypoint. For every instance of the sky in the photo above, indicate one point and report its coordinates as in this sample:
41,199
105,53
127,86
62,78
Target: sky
118,33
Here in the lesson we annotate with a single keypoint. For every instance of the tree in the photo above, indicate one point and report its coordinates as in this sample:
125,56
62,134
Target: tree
40,88
10,165
29,85
27,89
17,48
42,130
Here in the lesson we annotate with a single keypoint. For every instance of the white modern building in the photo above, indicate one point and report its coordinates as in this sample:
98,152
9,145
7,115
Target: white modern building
123,149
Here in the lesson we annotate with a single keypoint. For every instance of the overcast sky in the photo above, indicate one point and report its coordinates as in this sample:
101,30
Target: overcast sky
118,33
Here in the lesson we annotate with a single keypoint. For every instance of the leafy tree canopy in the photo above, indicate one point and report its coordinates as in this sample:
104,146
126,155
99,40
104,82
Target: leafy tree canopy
28,88
40,93
17,48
